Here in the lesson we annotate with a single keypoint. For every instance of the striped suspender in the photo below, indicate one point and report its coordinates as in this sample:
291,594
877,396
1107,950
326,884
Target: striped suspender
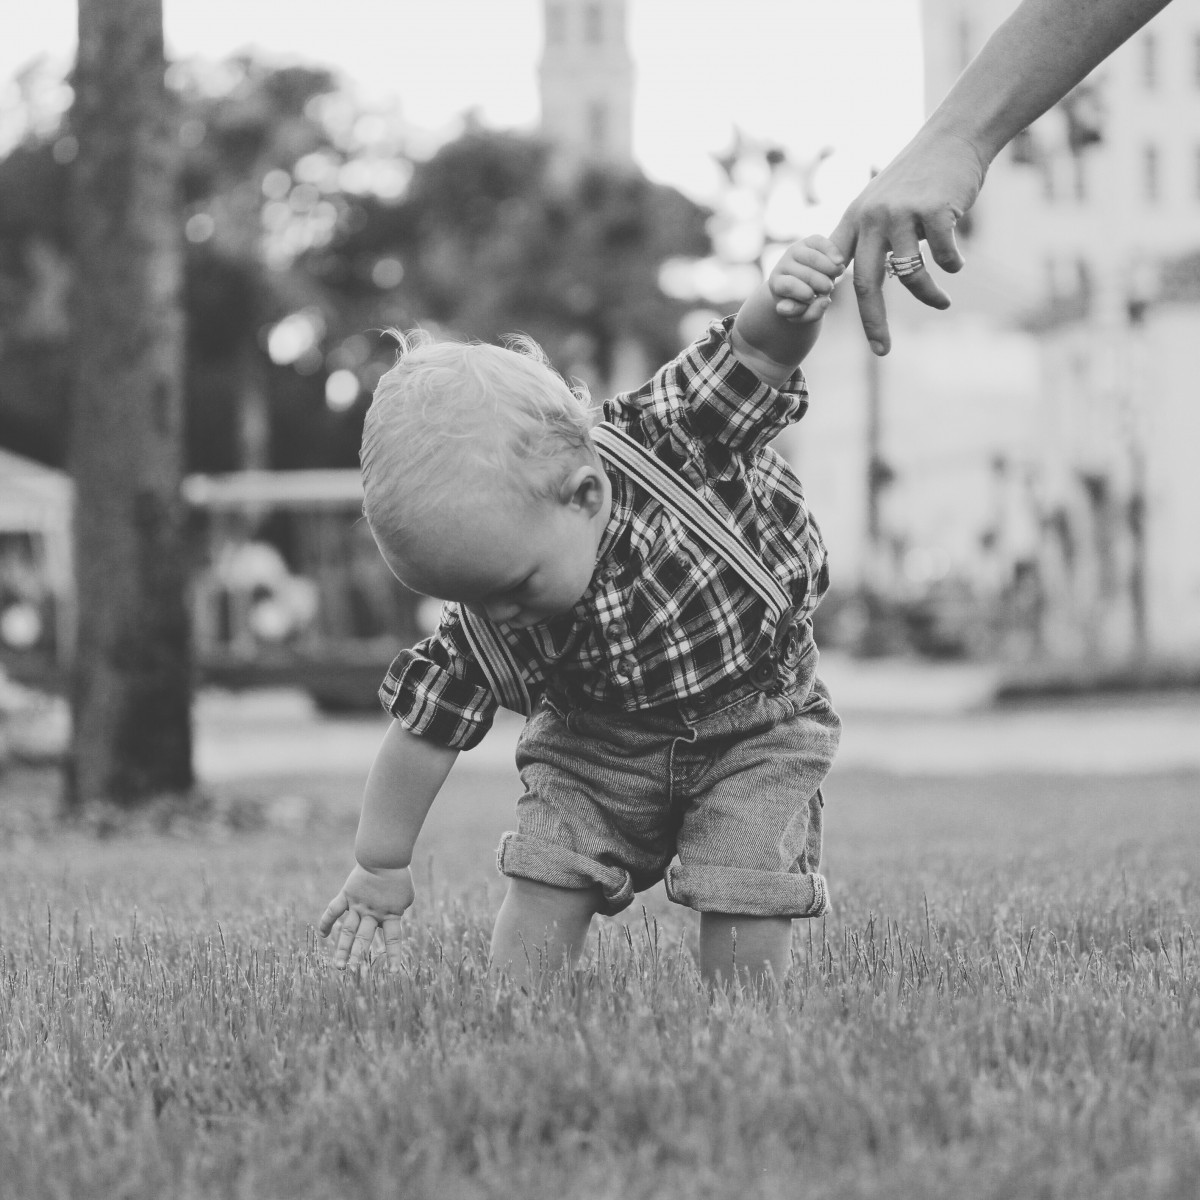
497,662
694,510
492,652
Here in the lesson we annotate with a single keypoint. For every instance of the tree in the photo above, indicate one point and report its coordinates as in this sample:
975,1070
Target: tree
492,240
262,151
130,690
255,150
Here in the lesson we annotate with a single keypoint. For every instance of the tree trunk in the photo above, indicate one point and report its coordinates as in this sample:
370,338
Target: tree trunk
131,686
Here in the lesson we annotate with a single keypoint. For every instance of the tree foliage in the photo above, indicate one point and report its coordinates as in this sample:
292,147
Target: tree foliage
495,235
298,205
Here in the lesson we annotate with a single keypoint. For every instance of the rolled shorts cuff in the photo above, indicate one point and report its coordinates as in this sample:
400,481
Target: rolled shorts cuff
522,857
739,892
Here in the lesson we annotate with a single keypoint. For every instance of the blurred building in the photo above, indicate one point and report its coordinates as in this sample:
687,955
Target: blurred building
943,411
586,87
1078,210
586,81
1018,468
1087,235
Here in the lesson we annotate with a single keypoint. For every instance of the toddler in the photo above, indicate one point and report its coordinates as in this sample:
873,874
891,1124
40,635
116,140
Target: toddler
639,582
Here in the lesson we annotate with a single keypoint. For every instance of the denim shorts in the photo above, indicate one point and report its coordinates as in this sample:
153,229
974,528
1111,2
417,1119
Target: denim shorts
722,800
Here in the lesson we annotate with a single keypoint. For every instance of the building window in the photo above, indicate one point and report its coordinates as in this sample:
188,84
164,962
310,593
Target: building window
1196,59
556,25
1151,174
598,125
593,24
1150,61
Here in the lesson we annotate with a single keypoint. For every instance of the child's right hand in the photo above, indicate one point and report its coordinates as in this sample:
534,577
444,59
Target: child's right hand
370,900
802,281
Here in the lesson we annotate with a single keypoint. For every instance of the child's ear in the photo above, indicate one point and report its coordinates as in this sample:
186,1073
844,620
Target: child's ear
584,489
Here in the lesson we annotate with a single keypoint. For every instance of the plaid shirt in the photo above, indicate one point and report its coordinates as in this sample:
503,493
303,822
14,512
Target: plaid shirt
662,621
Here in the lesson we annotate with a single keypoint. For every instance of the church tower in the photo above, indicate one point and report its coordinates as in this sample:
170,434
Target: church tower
586,77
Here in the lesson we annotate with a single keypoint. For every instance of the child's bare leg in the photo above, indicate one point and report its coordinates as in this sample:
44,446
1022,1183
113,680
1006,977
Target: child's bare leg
754,947
540,926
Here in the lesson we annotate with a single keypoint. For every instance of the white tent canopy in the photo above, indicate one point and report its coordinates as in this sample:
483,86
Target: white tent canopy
33,498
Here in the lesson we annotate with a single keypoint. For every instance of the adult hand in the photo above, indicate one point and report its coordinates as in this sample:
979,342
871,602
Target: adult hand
920,195
370,900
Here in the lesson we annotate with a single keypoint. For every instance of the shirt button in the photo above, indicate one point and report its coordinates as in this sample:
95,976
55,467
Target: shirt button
616,630
624,667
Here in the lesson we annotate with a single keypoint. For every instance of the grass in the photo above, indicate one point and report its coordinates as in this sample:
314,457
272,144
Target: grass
1005,1003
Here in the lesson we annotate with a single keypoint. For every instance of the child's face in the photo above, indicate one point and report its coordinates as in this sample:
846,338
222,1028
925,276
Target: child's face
519,560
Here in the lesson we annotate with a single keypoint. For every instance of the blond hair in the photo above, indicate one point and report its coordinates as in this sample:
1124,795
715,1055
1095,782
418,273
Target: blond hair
447,410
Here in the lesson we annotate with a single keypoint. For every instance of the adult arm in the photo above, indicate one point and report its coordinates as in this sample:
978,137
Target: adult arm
405,778
1031,61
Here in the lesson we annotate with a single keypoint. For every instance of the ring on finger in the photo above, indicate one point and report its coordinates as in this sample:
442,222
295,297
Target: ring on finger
899,267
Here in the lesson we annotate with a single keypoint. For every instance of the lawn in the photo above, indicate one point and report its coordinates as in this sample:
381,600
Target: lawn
1005,1002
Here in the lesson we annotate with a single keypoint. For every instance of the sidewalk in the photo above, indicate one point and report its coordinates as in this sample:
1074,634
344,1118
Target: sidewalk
911,717
899,716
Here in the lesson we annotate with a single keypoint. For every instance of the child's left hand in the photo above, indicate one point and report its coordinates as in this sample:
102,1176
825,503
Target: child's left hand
372,900
802,281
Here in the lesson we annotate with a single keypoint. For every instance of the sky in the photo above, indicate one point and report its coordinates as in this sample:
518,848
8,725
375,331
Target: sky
803,73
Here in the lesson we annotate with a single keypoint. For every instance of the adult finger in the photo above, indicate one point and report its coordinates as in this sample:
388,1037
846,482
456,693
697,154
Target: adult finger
868,288
333,910
939,233
393,935
845,236
360,948
925,288
919,282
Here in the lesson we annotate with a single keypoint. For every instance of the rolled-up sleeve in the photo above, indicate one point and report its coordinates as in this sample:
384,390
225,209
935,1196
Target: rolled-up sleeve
436,690
711,397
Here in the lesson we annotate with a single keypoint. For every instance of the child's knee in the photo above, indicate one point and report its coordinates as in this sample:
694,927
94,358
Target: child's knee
542,927
534,897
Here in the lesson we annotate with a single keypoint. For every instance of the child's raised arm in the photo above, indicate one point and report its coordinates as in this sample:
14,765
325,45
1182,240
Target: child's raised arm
403,783
779,323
